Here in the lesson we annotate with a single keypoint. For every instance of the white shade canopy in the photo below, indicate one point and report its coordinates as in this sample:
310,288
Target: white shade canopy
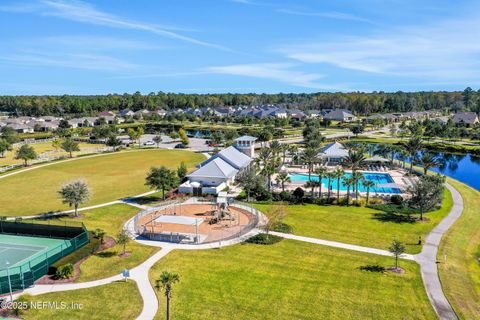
189,221
377,159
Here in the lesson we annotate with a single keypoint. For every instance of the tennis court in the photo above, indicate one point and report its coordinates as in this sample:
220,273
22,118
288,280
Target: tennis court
15,250
29,248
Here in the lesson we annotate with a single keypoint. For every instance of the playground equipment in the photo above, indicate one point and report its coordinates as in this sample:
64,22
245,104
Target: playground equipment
222,211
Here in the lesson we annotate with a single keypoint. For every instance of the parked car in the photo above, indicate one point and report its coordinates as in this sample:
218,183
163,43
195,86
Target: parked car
180,146
149,143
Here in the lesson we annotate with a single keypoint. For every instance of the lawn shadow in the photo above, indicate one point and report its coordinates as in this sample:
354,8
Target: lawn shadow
372,268
106,254
394,217
146,200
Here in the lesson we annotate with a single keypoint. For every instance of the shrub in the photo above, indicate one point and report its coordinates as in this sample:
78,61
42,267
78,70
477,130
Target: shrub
263,195
22,304
264,239
282,196
298,193
100,234
64,272
396,199
359,202
283,227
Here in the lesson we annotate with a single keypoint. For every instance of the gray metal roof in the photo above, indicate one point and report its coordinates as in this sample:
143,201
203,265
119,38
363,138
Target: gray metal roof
334,149
466,117
232,156
217,168
246,138
235,158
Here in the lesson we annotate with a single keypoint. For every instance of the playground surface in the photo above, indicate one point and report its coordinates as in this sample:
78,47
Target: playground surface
209,222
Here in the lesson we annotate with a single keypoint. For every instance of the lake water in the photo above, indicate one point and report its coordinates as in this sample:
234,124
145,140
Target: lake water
378,178
465,168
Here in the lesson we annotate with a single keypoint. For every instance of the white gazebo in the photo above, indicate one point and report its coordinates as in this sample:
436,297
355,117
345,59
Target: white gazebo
334,152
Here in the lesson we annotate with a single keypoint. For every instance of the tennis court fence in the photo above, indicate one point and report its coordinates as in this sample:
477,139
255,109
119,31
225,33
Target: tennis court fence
24,275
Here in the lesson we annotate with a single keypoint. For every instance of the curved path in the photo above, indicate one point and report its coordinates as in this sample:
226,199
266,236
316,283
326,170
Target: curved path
428,259
140,274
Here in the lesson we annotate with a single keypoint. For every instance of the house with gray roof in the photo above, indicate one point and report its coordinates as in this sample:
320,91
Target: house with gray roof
21,128
468,118
340,115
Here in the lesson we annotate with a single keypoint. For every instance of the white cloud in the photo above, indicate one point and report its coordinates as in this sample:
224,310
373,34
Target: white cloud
282,72
80,11
328,14
75,61
94,43
444,51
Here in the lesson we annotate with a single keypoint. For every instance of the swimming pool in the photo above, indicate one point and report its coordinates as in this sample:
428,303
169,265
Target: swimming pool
377,178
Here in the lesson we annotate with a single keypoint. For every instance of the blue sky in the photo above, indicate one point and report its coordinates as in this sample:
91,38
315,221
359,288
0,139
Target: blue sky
211,46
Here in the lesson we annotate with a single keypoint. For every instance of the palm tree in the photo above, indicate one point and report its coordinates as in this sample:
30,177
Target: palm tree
309,157
348,182
293,152
355,160
276,147
368,184
266,162
283,178
339,174
311,184
402,156
330,177
284,150
428,160
321,172
413,146
357,176
166,281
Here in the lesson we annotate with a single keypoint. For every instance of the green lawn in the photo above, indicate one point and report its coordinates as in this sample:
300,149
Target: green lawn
460,274
290,280
110,176
118,300
46,147
362,226
107,263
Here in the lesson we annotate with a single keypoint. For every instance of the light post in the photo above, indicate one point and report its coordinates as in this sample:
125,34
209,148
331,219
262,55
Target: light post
9,281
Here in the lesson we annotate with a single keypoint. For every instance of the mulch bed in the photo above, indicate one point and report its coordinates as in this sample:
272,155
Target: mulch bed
398,270
108,242
126,255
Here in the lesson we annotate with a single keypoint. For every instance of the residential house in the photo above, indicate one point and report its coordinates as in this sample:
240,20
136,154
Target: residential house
340,115
468,118
127,113
21,128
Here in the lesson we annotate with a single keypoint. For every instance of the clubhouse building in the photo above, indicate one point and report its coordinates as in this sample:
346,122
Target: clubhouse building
219,171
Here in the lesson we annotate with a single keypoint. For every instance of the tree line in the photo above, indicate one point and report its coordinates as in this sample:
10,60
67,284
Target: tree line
358,102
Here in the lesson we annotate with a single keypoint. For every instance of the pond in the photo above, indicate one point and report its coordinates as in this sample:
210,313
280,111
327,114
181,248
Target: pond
462,167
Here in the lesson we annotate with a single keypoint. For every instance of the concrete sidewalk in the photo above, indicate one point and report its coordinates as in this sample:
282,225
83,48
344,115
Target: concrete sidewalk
428,259
341,245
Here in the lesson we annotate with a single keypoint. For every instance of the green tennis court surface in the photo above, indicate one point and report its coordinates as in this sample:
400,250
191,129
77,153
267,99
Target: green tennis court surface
19,249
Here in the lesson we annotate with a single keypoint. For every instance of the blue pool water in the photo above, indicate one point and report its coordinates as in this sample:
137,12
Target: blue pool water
377,178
